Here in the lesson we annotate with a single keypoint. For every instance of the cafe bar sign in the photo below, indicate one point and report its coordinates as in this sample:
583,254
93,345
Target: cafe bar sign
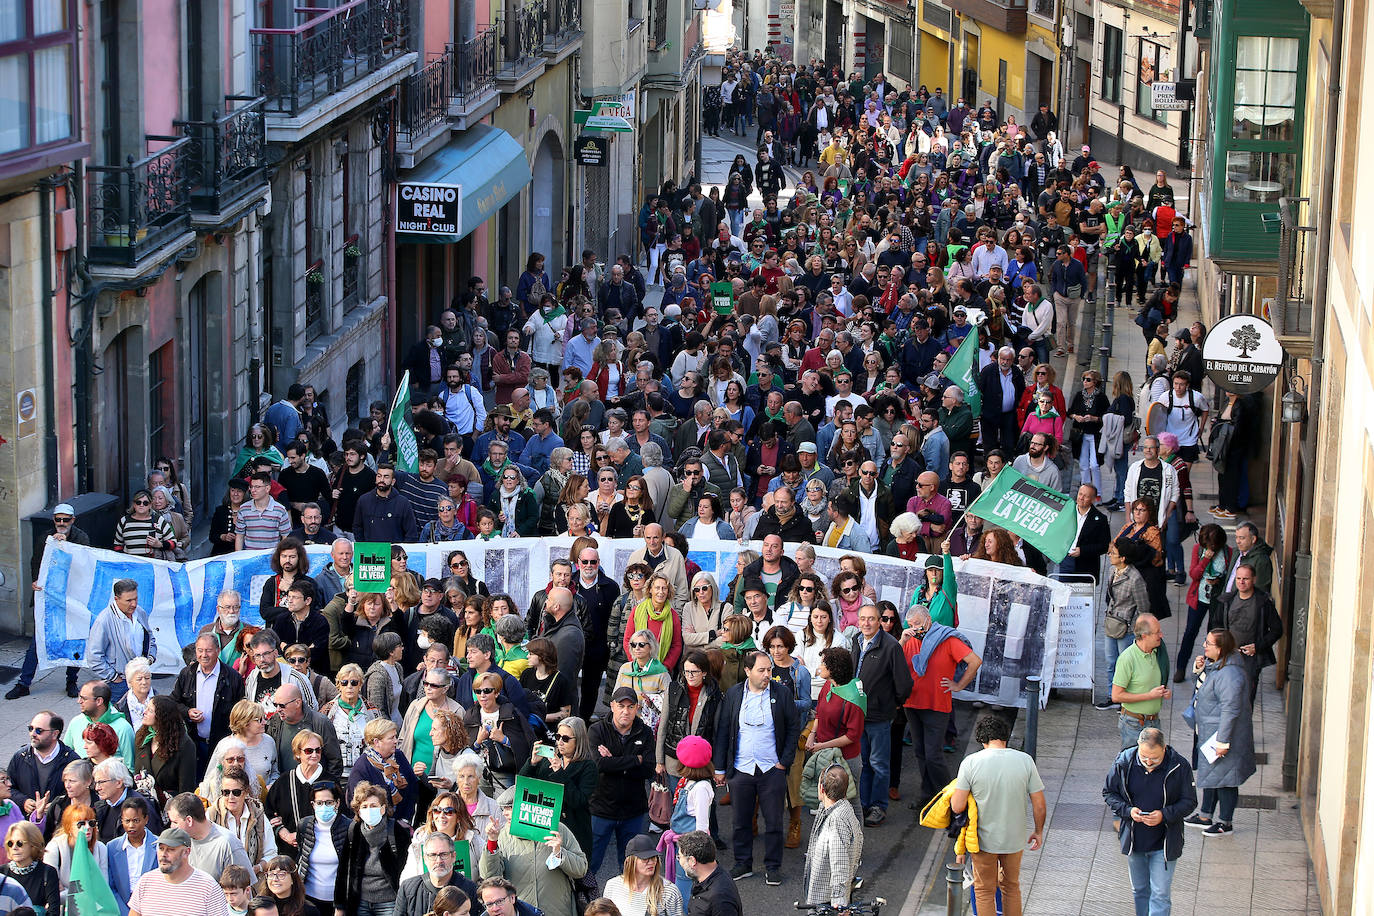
429,209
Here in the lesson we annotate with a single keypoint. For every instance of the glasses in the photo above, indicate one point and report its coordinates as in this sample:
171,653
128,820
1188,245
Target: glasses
483,691
889,619
312,751
701,588
34,730
588,562
446,508
234,792
142,502
635,575
98,782
80,824
1041,372
278,873
14,844
562,739
868,473
456,564
435,686
448,809
639,645
851,590
691,473
298,659
351,682
63,519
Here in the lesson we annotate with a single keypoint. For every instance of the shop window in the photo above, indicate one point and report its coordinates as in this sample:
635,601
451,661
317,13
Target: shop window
1150,63
1111,64
1266,88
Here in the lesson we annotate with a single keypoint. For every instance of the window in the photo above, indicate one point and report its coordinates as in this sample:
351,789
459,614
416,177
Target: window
160,405
1150,65
1111,64
353,391
37,48
1266,88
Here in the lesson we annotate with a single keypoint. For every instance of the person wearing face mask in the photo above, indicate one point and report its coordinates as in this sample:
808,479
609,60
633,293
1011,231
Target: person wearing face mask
323,840
377,843
1150,791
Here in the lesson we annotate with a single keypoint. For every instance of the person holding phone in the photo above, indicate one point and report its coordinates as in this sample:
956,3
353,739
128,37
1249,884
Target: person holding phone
567,760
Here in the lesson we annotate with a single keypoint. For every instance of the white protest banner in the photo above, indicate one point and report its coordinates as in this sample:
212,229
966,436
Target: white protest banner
1010,615
1073,663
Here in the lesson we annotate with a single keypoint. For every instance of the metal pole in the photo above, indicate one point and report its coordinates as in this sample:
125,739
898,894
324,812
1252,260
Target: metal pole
954,890
1109,300
1030,689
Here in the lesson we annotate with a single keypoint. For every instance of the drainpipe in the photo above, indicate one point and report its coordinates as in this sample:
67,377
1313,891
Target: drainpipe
1302,559
45,195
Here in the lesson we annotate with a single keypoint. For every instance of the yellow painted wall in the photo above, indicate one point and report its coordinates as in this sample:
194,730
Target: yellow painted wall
995,46
935,62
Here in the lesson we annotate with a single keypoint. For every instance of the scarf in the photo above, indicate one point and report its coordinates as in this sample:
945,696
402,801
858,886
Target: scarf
936,635
391,773
852,692
354,709
639,674
228,652
740,647
148,736
494,471
644,613
1046,416
553,313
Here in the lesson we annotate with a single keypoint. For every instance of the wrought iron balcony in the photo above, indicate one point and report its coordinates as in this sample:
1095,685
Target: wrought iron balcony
475,62
1292,311
565,25
329,51
523,28
228,155
138,208
424,101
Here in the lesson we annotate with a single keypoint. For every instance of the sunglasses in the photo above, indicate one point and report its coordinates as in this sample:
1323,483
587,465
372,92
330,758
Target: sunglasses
142,502
852,590
445,810
298,659
63,519
457,563
639,645
14,844
312,751
351,682
806,588
561,739
483,691
889,619
701,588
233,792
868,473
435,686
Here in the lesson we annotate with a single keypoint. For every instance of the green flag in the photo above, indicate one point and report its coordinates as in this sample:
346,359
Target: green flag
88,893
1044,518
962,370
407,451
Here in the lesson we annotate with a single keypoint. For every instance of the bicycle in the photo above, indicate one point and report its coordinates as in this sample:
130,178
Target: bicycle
856,908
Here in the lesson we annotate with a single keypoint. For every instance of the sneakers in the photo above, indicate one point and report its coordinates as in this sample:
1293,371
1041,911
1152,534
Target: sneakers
742,870
17,691
1218,829
1222,513
773,877
875,817
1197,820
1106,706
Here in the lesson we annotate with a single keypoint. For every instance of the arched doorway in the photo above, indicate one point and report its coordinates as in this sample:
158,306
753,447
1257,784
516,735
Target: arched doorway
546,202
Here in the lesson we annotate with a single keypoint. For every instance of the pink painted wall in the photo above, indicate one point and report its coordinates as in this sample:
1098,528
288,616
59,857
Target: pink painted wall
162,79
438,27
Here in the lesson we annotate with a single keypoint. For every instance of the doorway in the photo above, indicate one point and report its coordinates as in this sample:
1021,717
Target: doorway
546,195
116,364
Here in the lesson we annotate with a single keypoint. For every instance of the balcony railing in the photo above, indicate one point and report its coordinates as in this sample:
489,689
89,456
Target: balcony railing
328,51
352,270
474,66
424,100
315,283
522,37
565,23
137,208
228,154
1292,313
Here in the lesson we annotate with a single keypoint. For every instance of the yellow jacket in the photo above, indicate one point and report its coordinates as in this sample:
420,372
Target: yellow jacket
937,815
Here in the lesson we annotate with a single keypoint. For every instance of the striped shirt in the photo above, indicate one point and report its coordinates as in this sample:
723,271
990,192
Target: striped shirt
424,497
198,895
263,528
131,534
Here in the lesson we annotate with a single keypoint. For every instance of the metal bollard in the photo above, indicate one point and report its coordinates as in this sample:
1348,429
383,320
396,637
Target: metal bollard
954,890
1104,352
1030,689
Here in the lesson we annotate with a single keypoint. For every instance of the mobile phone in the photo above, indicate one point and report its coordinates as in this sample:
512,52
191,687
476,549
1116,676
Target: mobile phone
544,750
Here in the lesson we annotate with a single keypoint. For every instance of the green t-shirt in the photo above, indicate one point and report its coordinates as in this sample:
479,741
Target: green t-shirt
424,744
1137,672
1001,781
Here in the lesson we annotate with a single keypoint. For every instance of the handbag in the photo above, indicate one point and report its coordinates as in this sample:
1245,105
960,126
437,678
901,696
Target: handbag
660,801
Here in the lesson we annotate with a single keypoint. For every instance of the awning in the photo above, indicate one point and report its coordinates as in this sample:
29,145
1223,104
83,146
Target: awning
486,163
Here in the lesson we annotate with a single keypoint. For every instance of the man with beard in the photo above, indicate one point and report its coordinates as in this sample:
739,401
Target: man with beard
1038,462
384,515
353,480
782,518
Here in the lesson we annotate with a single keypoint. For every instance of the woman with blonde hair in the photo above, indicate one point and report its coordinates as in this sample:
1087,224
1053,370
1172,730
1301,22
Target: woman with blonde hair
248,725
640,888
500,734
646,675
450,738
60,849
349,713
703,617
657,615
384,764
288,800
25,849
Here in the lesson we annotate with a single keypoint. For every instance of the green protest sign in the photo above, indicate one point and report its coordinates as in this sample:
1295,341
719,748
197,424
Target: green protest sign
962,370
462,850
1044,518
371,566
407,449
538,806
723,298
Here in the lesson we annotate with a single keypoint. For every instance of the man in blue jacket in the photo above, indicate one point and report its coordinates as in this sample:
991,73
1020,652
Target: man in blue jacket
1068,280
1150,791
756,740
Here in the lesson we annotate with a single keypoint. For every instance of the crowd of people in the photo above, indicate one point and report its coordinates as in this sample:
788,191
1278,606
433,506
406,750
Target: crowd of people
358,751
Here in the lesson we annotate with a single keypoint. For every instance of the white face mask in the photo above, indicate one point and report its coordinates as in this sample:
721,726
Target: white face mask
325,813
371,816
436,342
423,641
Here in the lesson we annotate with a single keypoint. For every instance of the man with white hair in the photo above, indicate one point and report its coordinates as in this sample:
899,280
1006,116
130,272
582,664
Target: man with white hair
1001,385
657,479
956,419
330,581
114,785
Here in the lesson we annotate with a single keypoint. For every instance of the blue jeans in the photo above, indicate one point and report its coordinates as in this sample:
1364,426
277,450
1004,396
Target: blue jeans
1131,727
602,830
1173,544
875,748
1151,876
29,668
1114,649
386,908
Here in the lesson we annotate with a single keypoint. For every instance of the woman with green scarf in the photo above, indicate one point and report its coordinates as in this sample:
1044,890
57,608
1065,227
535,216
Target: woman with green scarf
259,443
349,713
646,675
655,614
163,752
1045,418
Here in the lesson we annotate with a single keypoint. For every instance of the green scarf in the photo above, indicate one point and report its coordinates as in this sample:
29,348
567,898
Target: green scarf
553,313
494,471
111,716
229,653
352,710
654,667
853,692
149,736
644,612
1046,416
740,647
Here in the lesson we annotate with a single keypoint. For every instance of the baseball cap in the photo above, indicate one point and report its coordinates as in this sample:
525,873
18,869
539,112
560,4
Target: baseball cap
1086,147
643,847
808,447
434,585
63,509
174,836
960,310
624,694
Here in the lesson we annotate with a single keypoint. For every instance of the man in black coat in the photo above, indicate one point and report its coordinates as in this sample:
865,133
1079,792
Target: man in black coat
1094,535
208,726
427,359
415,897
598,592
36,770
1189,358
783,520
887,679
756,741
1001,385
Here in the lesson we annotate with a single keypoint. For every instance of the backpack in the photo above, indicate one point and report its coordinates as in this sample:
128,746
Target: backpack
1197,411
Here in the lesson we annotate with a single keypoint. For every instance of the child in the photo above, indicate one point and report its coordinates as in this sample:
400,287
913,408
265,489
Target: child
237,884
486,525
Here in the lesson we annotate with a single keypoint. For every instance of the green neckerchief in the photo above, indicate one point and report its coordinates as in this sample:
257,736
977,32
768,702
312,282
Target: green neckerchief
851,692
1047,416
149,736
229,652
740,647
553,313
111,716
654,667
494,471
353,709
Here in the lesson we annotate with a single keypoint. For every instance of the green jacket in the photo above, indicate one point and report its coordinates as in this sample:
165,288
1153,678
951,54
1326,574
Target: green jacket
958,427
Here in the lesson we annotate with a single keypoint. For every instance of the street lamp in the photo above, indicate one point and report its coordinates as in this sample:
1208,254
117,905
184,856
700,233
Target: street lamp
1293,407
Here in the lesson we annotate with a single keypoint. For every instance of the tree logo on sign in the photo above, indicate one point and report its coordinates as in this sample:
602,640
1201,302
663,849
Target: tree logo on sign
1245,338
